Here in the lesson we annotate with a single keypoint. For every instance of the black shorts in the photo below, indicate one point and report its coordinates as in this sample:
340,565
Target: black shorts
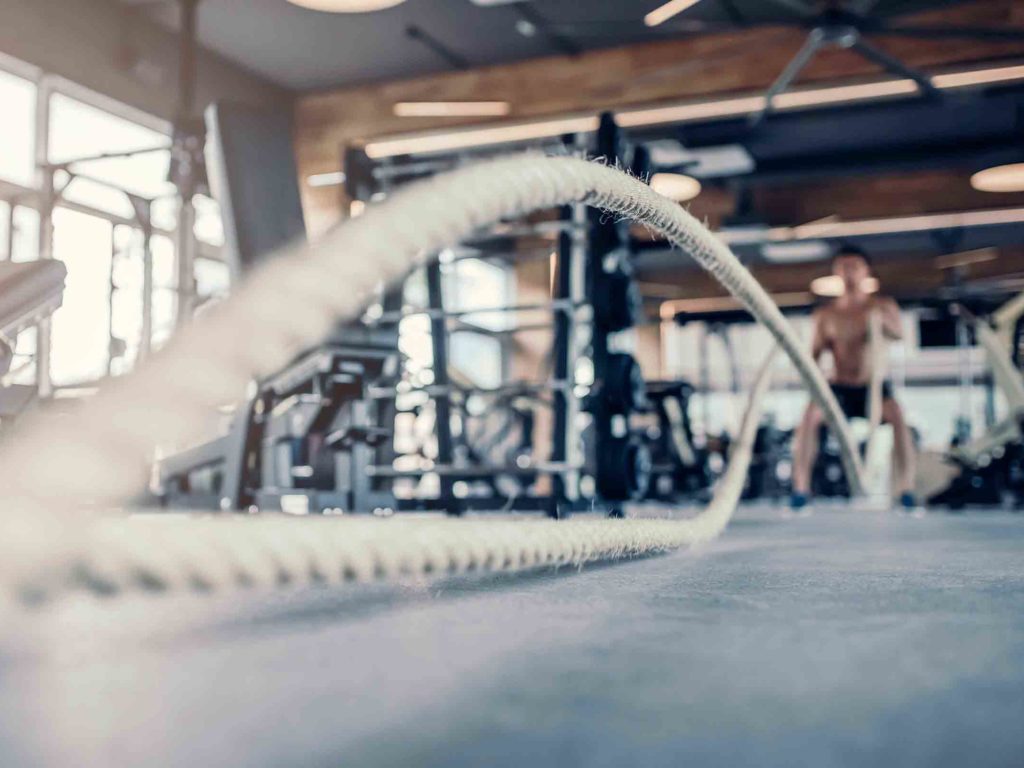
853,398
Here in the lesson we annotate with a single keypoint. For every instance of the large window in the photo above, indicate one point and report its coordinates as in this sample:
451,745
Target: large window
17,129
477,351
82,130
98,329
81,336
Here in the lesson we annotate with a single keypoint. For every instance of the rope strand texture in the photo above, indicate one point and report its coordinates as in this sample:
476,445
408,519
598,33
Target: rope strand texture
58,472
206,553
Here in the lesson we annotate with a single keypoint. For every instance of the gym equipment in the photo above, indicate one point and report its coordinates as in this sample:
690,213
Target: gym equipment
623,460
679,467
828,479
306,439
618,304
991,467
623,469
119,426
622,386
771,466
29,293
594,297
302,444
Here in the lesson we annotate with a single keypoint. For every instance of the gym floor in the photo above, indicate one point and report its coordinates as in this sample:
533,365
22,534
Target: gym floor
846,637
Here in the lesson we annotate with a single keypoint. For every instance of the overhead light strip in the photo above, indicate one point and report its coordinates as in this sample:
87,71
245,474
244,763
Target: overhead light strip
451,108
896,225
663,13
329,179
477,137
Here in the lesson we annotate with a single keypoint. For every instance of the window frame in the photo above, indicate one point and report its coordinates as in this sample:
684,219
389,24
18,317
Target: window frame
35,197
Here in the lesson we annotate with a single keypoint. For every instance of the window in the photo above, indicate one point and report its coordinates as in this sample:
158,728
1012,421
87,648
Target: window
126,281
476,284
25,239
98,329
81,327
17,129
164,294
6,213
82,130
213,279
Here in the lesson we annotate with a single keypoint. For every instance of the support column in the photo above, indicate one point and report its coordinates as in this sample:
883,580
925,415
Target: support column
47,201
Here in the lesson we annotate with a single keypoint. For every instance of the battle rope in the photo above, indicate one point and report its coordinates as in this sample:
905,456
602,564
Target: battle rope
215,552
879,362
56,471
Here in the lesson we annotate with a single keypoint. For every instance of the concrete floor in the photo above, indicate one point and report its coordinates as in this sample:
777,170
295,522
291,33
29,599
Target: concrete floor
840,639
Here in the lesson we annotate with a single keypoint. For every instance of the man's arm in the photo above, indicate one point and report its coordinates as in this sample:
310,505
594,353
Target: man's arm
892,328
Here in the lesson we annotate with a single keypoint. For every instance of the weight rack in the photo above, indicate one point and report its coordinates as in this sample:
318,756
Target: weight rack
595,462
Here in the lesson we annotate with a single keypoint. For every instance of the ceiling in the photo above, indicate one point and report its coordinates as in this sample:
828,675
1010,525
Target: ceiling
308,50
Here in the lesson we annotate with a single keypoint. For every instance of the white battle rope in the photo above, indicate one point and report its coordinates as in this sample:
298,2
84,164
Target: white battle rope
878,359
56,475
217,552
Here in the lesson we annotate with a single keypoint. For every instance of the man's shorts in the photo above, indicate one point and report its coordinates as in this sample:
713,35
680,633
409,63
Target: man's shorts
853,398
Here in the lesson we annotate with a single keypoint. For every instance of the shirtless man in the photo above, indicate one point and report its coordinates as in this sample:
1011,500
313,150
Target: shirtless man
842,329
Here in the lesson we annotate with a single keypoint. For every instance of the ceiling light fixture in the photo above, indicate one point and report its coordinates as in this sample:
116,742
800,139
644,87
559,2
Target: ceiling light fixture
328,179
899,224
675,186
796,251
346,6
665,12
832,286
1001,178
451,108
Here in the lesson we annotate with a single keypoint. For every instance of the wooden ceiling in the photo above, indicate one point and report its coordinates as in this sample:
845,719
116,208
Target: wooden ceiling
710,66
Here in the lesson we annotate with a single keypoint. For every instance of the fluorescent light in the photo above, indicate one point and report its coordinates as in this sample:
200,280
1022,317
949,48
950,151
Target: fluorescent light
809,97
451,108
745,105
744,234
978,77
329,179
675,186
819,96
346,6
478,137
831,286
796,251
1001,178
899,224
665,12
681,113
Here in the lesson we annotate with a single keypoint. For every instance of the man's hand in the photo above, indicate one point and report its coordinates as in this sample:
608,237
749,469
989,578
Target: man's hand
892,328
